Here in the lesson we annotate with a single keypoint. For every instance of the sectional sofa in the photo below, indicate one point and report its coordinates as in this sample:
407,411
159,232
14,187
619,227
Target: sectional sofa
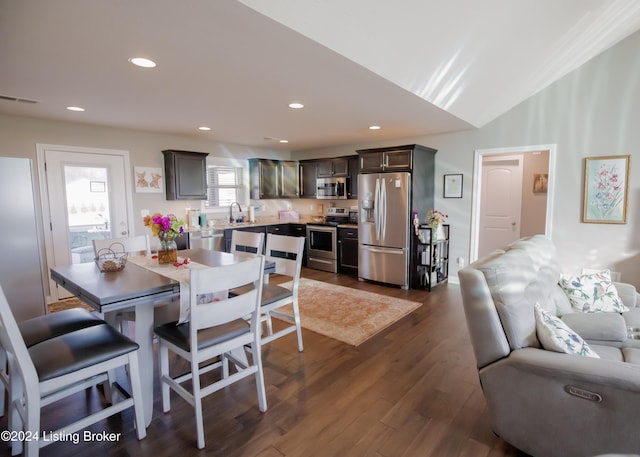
557,356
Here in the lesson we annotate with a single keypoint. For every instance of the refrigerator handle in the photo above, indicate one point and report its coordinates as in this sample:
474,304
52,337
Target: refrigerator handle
376,208
385,251
383,209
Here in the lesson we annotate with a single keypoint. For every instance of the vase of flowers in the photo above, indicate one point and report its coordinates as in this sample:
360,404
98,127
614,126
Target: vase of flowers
167,229
435,220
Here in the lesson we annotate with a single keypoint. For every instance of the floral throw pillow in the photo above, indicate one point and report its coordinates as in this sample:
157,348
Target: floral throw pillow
555,335
592,293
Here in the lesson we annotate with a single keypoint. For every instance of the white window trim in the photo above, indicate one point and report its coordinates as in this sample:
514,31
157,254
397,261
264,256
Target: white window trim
229,162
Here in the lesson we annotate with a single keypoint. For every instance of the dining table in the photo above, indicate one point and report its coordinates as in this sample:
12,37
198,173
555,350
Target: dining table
140,286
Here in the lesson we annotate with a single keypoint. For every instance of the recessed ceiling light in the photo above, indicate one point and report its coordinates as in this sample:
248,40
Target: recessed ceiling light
142,62
270,138
204,128
374,127
296,105
75,108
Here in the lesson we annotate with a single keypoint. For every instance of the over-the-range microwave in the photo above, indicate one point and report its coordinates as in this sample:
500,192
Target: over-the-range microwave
331,188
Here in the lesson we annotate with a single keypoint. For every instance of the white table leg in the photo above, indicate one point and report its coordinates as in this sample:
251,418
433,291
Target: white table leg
144,337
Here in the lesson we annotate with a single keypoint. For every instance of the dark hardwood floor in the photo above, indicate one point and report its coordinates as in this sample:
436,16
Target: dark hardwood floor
411,390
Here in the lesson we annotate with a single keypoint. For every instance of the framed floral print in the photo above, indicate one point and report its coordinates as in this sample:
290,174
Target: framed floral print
606,189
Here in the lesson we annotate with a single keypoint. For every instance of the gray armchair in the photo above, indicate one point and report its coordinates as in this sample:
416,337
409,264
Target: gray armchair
543,402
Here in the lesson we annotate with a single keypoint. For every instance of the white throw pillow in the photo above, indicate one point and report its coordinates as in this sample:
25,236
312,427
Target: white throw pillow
555,335
592,293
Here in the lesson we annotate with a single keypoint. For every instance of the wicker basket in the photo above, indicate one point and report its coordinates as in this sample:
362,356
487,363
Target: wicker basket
112,258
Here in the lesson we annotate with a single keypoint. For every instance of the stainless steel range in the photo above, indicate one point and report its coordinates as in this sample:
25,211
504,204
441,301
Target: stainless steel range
322,240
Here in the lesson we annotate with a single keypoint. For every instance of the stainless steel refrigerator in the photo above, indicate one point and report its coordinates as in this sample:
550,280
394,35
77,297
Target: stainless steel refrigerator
383,227
21,268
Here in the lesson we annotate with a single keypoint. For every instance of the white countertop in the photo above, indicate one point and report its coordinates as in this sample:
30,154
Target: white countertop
259,222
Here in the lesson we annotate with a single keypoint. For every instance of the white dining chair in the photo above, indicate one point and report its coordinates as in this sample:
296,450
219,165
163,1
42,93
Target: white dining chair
61,366
244,241
41,328
130,244
216,331
286,252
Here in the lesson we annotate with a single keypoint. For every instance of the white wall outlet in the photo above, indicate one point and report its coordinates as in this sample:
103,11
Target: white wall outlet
144,212
460,261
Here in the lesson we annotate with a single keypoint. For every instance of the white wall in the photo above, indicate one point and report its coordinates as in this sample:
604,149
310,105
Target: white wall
592,111
19,135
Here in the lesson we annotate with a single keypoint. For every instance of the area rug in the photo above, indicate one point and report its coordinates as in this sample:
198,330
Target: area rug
348,315
344,314
67,303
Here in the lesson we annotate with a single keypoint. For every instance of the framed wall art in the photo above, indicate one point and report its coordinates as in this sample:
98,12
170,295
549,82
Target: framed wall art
606,189
540,183
452,186
148,180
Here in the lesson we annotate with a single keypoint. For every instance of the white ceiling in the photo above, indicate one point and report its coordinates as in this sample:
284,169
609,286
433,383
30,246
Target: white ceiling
415,67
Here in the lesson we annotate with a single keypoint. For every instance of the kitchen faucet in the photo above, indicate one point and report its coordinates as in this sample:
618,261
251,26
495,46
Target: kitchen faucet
231,219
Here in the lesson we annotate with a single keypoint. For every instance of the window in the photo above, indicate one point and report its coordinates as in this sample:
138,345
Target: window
224,186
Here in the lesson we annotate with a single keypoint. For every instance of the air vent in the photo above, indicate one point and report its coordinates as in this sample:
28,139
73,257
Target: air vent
17,99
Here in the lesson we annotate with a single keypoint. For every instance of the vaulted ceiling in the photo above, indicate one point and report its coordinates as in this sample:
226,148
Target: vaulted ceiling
412,67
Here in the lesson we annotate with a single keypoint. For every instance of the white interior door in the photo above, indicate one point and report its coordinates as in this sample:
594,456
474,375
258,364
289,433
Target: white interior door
501,201
87,199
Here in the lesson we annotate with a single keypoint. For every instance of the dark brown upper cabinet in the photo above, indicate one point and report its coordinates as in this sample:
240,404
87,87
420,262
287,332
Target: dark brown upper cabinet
185,175
332,167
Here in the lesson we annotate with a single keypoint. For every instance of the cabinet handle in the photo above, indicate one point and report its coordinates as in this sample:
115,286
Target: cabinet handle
301,181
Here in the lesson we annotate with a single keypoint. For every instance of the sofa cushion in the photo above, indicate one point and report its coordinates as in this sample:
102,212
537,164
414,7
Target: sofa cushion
592,293
632,321
560,300
598,326
509,278
631,355
555,335
627,293
527,273
608,352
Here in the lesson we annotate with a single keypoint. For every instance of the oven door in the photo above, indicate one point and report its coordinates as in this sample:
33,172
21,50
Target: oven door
322,248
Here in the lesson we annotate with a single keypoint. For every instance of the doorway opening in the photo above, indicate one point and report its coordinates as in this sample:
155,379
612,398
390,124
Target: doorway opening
500,214
85,195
